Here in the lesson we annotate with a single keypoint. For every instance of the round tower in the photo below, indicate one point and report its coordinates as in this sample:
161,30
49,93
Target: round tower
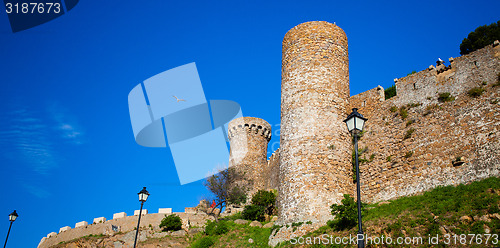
314,142
248,139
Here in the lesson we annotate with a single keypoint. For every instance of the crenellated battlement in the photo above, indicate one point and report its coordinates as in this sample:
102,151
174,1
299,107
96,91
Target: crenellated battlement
250,125
121,223
476,69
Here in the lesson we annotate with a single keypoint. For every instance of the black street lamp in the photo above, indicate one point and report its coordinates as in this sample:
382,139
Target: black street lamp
12,218
143,197
355,124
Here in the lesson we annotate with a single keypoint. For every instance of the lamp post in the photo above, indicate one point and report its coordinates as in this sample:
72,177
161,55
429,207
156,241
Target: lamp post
143,196
355,124
12,218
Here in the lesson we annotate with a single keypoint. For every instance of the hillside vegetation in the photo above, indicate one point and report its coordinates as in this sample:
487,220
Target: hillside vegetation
451,213
446,212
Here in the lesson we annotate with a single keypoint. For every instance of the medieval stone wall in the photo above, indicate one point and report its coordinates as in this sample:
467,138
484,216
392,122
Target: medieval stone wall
437,143
314,93
124,224
367,100
463,73
273,170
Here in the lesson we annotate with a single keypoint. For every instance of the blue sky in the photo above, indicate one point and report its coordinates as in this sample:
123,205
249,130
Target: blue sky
67,151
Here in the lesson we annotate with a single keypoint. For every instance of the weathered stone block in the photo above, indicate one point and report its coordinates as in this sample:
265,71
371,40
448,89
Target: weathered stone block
165,210
255,224
144,212
268,225
51,234
190,210
81,223
62,229
241,222
119,215
99,220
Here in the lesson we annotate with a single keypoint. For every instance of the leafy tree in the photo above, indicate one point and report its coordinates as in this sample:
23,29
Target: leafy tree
171,223
346,215
481,37
390,92
263,202
266,199
227,187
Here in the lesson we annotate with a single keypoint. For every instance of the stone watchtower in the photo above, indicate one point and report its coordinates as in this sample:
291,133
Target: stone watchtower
248,138
314,142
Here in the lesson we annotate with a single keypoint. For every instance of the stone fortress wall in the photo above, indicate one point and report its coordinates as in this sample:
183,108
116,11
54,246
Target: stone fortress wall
122,223
450,143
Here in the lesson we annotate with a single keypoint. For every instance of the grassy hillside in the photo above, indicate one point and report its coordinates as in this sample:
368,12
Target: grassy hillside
449,213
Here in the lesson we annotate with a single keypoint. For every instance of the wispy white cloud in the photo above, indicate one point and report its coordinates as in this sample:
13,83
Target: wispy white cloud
36,191
66,124
26,138
30,138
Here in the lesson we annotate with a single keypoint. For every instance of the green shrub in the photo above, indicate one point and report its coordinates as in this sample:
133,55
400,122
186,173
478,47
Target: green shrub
430,108
433,106
445,97
409,122
204,242
408,154
171,223
413,105
475,92
216,228
412,72
390,92
393,109
388,159
346,215
403,112
409,132
361,160
265,199
253,212
210,227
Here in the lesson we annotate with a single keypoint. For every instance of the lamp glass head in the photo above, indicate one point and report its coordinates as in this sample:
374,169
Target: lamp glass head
355,122
143,195
13,216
